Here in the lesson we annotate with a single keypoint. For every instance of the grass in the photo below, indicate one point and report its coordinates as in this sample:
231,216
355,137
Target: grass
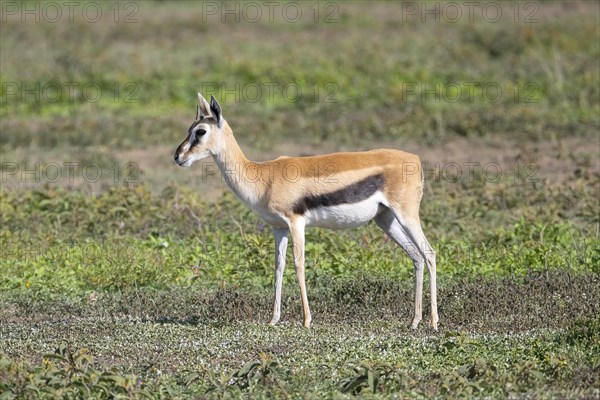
555,57
142,334
126,238
150,281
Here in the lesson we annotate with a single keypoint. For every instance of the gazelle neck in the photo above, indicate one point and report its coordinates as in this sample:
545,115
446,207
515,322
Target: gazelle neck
240,173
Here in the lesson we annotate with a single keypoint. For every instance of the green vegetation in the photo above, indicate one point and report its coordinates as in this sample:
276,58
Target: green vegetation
363,77
57,242
150,282
455,364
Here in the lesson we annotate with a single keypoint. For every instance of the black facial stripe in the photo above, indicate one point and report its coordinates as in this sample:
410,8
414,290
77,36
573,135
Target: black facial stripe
350,194
194,124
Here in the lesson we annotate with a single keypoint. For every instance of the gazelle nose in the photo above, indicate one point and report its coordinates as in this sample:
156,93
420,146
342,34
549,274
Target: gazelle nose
176,157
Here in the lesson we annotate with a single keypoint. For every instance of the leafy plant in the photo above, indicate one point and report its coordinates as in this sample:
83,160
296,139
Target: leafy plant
373,377
263,372
66,373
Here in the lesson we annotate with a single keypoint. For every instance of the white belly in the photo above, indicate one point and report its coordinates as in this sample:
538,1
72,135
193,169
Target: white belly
344,216
271,218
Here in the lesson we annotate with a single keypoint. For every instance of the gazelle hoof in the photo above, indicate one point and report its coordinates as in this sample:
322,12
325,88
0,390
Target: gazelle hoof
415,322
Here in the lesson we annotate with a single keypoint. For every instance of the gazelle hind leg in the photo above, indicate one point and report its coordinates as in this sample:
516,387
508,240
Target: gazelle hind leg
387,221
412,228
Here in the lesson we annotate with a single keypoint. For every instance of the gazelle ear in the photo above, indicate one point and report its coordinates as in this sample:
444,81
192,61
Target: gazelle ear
215,109
203,108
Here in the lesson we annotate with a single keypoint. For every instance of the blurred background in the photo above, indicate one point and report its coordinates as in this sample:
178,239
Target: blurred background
116,84
500,100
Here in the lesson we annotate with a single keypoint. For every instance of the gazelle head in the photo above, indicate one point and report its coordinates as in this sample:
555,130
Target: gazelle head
204,135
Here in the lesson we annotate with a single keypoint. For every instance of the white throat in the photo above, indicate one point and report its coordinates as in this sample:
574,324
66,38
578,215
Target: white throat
237,171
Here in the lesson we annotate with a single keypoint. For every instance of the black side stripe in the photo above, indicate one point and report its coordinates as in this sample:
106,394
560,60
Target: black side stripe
350,194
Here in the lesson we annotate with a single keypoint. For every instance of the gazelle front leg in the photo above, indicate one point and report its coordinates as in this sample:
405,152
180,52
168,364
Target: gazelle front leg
418,266
297,231
281,241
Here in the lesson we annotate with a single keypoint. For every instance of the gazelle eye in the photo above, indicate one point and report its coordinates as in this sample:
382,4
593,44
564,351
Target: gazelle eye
196,135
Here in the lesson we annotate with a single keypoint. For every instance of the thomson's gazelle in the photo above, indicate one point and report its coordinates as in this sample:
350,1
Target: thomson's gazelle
340,190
